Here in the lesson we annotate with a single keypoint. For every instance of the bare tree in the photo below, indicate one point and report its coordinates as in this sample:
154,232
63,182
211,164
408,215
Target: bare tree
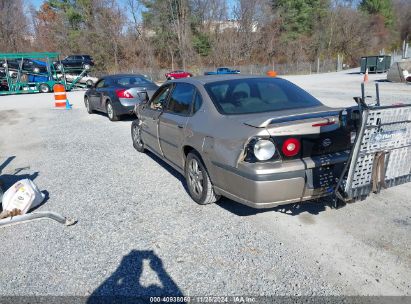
14,31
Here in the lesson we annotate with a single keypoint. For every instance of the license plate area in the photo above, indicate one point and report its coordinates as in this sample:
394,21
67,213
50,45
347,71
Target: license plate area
324,177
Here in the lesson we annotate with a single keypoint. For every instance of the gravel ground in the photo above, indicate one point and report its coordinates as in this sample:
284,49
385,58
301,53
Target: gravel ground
139,233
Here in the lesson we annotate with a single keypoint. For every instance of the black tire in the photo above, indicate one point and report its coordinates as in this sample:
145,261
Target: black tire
198,182
136,136
89,108
44,88
110,111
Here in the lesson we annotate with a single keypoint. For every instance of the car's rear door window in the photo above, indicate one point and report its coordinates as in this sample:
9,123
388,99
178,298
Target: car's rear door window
100,84
258,95
181,99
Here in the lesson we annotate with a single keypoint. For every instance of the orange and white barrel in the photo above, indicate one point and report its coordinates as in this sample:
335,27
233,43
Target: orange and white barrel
60,97
272,73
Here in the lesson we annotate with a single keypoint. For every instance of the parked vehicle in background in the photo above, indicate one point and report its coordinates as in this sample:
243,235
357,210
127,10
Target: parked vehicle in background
29,65
75,62
3,81
260,141
117,95
222,71
89,81
178,75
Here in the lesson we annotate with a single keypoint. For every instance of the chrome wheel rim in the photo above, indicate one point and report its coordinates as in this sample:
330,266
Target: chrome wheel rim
137,135
195,177
109,111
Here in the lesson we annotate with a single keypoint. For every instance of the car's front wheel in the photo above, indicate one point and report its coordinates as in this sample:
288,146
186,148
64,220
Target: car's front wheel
110,112
198,182
136,136
88,105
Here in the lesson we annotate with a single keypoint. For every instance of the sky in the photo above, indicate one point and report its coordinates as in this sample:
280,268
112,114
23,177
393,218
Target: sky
36,3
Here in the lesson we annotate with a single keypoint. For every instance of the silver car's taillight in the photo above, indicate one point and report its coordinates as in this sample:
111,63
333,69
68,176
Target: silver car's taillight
264,149
261,149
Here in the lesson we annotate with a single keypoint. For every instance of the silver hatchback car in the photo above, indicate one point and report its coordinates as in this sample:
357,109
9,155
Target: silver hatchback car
259,141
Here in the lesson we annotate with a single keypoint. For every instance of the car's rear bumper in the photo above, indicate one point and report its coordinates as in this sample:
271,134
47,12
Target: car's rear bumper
296,182
125,106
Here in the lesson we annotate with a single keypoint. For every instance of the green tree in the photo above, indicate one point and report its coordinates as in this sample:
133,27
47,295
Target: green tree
379,7
300,16
201,44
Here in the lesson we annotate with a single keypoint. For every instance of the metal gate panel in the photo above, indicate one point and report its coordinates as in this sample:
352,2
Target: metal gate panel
383,129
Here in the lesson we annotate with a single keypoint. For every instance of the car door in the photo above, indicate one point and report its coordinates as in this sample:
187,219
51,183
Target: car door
150,118
95,94
78,61
173,121
68,62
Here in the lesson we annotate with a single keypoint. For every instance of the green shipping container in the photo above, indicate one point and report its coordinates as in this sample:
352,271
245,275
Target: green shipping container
375,64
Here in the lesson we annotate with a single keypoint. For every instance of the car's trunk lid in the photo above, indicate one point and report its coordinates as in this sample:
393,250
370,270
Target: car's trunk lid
320,131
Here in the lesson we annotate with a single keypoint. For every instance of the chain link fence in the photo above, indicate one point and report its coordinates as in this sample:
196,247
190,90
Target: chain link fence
295,68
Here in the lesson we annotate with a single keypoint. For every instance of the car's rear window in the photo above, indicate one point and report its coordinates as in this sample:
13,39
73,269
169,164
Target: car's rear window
131,81
257,95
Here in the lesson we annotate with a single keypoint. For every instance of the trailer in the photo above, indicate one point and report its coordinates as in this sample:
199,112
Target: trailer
381,155
22,73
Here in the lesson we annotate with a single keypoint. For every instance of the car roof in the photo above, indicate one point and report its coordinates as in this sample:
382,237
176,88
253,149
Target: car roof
215,78
123,75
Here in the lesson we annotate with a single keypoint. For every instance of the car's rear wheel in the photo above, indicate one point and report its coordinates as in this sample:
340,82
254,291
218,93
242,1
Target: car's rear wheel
44,88
136,136
110,112
88,105
89,83
198,181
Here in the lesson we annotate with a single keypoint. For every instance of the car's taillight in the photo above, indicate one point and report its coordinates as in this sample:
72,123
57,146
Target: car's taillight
123,93
291,147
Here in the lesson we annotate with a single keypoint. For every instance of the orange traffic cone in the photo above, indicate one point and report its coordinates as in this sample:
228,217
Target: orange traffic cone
272,73
366,75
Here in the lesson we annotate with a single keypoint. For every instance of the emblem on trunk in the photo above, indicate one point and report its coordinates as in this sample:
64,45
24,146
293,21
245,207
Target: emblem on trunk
326,142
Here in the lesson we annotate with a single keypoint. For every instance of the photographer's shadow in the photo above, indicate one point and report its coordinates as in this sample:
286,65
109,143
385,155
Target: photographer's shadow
127,282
